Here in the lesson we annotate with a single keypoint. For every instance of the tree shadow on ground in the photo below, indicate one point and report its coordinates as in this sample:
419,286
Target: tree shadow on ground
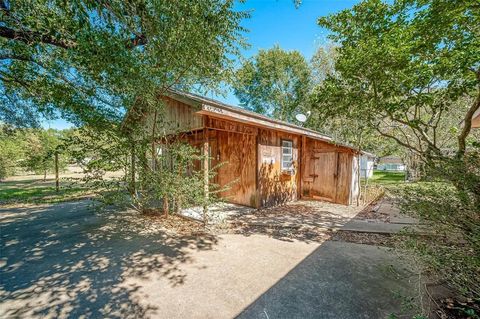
65,260
308,221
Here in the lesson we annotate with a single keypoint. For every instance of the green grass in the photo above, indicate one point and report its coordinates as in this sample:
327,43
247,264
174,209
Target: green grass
386,178
38,191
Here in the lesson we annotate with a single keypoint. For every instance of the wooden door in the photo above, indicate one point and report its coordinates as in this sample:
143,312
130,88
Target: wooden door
237,173
324,173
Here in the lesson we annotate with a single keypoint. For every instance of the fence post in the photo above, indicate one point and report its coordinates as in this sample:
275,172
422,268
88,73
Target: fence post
57,180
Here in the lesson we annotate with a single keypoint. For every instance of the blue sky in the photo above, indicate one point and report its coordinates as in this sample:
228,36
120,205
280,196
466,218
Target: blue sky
277,22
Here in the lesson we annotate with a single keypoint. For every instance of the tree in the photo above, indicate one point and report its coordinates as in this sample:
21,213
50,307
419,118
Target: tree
409,69
275,82
41,146
88,61
11,150
406,68
323,63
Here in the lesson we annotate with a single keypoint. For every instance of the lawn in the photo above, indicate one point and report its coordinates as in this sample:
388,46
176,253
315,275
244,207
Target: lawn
386,178
31,190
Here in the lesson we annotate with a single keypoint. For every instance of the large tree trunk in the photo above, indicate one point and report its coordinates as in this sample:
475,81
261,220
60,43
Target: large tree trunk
165,206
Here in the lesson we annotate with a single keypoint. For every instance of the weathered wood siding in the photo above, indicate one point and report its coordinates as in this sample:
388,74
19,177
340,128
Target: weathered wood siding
275,186
326,171
175,117
236,154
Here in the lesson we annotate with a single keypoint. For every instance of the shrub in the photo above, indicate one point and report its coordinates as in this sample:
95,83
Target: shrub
449,206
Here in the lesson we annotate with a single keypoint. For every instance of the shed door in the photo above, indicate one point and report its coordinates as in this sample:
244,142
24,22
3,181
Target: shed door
324,173
237,154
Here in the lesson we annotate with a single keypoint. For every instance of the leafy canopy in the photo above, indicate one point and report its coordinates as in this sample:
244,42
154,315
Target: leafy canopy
275,82
88,60
405,67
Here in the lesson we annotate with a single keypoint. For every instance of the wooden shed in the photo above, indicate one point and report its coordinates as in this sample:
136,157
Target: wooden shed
272,161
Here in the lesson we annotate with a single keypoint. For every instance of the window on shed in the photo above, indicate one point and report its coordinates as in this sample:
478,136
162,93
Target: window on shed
287,155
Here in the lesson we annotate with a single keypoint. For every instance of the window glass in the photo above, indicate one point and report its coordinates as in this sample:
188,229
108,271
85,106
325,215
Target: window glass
287,155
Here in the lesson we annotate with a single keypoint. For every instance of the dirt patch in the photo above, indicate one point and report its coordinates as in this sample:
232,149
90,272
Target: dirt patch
174,223
386,240
282,233
450,308
372,211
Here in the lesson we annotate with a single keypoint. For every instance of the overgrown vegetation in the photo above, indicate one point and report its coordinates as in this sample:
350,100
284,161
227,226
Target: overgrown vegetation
452,252
91,62
408,71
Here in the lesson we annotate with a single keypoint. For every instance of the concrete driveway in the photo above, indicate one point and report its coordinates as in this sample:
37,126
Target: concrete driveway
65,260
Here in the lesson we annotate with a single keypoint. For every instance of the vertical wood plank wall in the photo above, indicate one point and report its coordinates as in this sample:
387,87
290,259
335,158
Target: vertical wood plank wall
178,117
326,172
251,166
276,187
237,154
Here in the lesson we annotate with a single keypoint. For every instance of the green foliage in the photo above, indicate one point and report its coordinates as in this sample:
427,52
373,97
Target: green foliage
40,147
121,170
408,69
323,63
30,149
88,61
275,82
451,214
175,179
11,151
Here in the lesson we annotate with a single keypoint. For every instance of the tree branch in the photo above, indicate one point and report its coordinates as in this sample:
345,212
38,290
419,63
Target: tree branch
400,142
29,37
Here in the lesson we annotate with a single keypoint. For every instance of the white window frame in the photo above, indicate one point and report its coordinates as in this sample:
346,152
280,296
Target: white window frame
287,156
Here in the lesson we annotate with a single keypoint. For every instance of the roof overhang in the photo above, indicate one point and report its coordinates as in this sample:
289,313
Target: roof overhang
230,114
215,108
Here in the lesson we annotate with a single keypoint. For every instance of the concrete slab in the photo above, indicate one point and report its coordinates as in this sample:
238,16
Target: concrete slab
339,280
374,227
68,261
387,206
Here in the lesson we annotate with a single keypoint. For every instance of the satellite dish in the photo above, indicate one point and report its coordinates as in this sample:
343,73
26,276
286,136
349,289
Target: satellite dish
301,117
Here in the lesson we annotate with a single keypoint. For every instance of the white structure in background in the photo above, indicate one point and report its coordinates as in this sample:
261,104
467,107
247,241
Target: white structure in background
476,119
391,163
367,162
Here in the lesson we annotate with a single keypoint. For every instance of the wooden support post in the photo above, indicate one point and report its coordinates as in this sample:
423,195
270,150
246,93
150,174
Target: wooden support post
57,180
337,155
258,166
303,163
205,175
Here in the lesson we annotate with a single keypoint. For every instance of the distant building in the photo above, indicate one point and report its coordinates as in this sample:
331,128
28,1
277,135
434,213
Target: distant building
367,163
391,163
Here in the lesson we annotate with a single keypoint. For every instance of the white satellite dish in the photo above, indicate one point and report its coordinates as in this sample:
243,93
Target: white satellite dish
301,117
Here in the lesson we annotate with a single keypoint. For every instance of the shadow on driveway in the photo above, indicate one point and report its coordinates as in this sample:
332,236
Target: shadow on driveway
341,280
65,260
